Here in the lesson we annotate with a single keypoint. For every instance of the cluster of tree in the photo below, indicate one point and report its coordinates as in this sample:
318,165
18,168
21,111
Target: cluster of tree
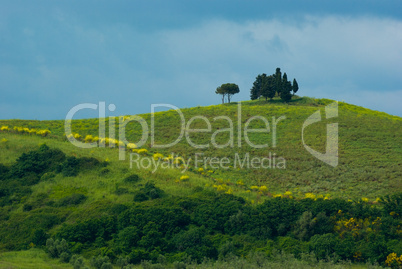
228,90
274,85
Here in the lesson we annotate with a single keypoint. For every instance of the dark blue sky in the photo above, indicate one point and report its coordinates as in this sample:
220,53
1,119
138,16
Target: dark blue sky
57,54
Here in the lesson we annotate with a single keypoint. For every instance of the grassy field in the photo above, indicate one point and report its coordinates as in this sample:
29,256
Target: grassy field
370,167
370,147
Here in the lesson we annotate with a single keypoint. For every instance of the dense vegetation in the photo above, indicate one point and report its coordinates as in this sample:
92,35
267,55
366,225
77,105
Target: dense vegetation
202,224
84,206
274,85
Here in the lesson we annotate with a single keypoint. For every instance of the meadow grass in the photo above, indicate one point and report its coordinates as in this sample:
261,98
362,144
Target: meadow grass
370,157
370,150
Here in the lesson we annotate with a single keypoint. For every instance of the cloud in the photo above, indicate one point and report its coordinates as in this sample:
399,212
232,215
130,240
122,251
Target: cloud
52,66
325,54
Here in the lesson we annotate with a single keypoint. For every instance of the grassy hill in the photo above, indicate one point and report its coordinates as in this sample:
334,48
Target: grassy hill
75,193
370,147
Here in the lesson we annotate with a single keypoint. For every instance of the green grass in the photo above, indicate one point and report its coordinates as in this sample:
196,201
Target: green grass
36,258
370,158
370,149
32,258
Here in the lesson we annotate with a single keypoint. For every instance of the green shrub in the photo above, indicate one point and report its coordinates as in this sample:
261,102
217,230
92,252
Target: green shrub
323,245
132,178
100,262
77,262
70,167
58,249
73,199
37,162
148,192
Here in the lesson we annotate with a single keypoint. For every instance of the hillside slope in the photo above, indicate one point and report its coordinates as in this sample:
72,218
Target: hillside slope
185,210
370,145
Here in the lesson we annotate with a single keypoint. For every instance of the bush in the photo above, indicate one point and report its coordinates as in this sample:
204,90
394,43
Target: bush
132,178
58,249
323,245
70,167
148,192
37,161
77,262
100,262
195,243
73,199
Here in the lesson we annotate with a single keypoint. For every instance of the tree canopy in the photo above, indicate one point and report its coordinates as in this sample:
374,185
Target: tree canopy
275,84
227,89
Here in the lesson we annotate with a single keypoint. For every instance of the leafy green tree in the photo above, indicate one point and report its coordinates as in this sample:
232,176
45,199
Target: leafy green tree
255,91
232,89
220,90
268,87
227,89
286,89
295,86
278,80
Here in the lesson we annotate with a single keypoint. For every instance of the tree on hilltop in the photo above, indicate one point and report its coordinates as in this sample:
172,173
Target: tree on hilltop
286,88
275,84
278,80
295,86
255,91
227,89
222,92
268,87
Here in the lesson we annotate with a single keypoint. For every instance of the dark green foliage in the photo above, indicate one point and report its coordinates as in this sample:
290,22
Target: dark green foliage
323,245
100,262
269,86
376,250
166,229
58,249
36,165
293,246
77,262
307,225
286,88
227,89
27,207
132,178
148,192
276,214
255,91
214,213
88,163
4,172
88,231
70,167
195,243
120,191
73,199
295,86
173,218
393,205
128,238
39,237
278,80
37,162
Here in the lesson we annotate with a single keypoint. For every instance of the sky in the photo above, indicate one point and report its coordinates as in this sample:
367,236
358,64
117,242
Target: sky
55,55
